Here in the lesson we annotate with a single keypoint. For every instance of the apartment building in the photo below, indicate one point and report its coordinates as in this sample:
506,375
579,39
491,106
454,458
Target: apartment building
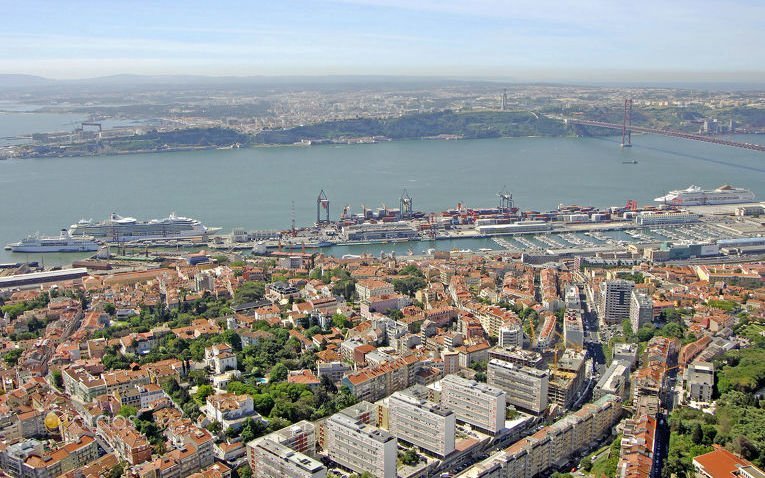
525,387
375,383
359,447
220,358
230,410
140,396
626,353
534,455
290,451
365,412
57,462
126,441
334,371
615,381
511,335
194,445
573,328
700,381
518,356
638,455
615,301
369,288
478,404
567,379
641,310
423,423
12,456
270,459
86,382
300,437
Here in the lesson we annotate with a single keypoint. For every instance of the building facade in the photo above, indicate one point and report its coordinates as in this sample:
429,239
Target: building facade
525,387
359,447
420,422
615,301
477,404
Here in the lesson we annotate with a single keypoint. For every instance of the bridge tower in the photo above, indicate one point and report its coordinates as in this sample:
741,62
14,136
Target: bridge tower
322,203
627,124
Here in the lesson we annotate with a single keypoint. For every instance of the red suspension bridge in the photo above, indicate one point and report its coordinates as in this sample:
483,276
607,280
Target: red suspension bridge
627,128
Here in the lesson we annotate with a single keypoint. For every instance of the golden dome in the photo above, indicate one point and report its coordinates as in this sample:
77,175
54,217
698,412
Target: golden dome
52,421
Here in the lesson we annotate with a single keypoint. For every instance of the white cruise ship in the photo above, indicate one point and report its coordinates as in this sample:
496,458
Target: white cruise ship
126,229
695,196
62,243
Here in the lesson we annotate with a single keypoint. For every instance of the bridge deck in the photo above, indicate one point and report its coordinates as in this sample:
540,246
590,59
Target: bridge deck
676,134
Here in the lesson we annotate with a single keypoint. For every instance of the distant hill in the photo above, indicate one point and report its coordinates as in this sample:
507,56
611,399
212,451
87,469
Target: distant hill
21,81
469,125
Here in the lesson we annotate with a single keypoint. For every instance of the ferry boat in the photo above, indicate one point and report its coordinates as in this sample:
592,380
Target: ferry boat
123,229
695,196
61,243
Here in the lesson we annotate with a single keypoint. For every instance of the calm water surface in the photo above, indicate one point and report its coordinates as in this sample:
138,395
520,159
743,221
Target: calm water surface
255,187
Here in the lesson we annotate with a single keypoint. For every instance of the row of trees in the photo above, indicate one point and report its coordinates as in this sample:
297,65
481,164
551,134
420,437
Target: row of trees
15,310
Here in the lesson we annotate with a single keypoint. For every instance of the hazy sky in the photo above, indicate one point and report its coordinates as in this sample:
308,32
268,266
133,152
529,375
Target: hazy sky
523,39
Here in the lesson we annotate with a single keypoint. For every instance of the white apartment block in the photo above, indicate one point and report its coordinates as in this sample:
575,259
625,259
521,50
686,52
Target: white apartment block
511,335
269,459
526,387
359,447
477,404
420,422
700,381
641,310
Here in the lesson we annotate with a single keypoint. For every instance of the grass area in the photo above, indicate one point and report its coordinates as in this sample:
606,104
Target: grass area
754,332
606,464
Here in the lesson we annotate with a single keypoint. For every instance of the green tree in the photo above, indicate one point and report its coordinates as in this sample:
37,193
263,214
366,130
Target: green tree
128,411
279,373
244,471
214,427
198,377
250,291
408,285
410,457
341,321
394,314
58,379
698,434
12,357
203,391
645,333
117,470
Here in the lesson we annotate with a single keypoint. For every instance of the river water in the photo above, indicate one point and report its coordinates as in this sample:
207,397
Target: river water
255,188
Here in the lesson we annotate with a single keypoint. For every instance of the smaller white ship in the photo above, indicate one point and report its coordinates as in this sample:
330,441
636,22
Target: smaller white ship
64,242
